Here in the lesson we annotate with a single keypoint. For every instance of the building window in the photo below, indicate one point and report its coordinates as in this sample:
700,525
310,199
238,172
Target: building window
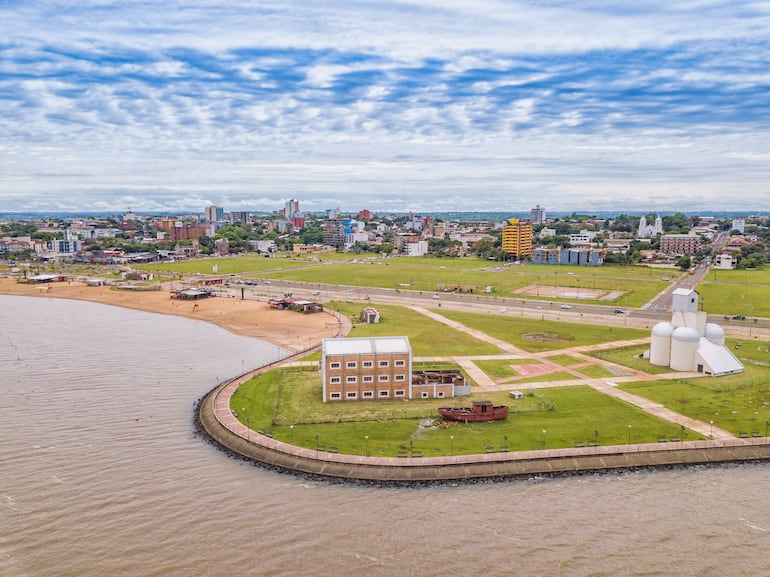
424,395
335,380
367,364
367,379
383,364
383,378
351,395
399,393
368,394
399,378
335,365
351,365
351,379
384,393
335,396
440,394
399,363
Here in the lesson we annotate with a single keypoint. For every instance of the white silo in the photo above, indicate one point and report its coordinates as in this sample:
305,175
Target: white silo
660,344
715,333
684,345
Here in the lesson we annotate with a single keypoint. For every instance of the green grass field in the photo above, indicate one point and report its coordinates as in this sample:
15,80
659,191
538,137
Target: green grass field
630,357
245,265
427,337
535,335
637,284
736,403
287,403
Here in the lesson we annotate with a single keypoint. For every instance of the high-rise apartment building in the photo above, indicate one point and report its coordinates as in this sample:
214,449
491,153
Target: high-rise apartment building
214,213
517,238
537,215
291,208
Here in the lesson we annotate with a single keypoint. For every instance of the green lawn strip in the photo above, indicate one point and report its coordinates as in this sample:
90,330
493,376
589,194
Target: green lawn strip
563,360
568,415
630,357
224,266
735,299
736,403
427,275
751,351
740,276
548,377
595,371
498,369
535,335
426,336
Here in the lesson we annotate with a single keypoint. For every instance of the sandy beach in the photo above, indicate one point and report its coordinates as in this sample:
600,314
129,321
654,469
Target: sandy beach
290,330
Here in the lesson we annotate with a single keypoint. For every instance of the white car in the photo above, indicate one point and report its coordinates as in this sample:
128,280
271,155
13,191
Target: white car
436,297
566,306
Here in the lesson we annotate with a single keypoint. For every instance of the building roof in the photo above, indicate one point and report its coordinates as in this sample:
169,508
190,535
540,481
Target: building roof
366,345
719,358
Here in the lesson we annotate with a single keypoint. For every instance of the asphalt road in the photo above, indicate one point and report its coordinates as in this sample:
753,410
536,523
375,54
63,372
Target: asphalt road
644,317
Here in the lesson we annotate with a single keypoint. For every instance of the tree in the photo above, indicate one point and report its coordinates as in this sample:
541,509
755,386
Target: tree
684,263
676,222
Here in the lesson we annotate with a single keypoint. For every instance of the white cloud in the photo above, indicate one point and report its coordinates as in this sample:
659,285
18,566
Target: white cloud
172,105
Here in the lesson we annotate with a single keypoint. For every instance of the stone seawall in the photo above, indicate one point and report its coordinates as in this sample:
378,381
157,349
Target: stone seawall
214,418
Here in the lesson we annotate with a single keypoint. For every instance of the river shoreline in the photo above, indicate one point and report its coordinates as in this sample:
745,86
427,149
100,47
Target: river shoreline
245,317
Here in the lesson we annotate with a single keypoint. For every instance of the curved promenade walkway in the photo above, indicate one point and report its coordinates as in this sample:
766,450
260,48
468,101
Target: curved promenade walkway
222,426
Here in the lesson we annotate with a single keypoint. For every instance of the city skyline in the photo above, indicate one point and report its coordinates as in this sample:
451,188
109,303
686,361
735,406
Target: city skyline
411,106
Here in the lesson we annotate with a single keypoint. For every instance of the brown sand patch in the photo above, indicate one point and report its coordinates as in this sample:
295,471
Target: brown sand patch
251,318
546,337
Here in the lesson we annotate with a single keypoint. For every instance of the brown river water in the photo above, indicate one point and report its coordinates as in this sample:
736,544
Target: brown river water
103,474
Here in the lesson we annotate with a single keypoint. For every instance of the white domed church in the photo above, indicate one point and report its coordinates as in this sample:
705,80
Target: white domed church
689,343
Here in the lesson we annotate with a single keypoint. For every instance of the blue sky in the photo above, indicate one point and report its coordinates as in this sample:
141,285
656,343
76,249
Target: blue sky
414,105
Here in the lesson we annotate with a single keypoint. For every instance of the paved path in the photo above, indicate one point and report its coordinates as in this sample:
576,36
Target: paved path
658,410
602,385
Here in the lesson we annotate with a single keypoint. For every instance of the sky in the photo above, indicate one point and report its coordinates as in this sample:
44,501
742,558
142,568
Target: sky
429,106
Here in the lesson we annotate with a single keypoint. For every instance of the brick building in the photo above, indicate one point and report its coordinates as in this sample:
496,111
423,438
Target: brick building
366,368
680,244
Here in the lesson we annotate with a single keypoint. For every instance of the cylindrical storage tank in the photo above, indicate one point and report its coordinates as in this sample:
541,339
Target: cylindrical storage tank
715,333
684,344
660,344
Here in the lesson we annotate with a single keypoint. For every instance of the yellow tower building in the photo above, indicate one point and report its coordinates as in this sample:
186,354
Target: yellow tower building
517,238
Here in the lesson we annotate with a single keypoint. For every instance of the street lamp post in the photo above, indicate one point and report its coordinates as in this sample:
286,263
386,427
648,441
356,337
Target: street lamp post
451,444
711,430
291,431
629,434
366,446
544,432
